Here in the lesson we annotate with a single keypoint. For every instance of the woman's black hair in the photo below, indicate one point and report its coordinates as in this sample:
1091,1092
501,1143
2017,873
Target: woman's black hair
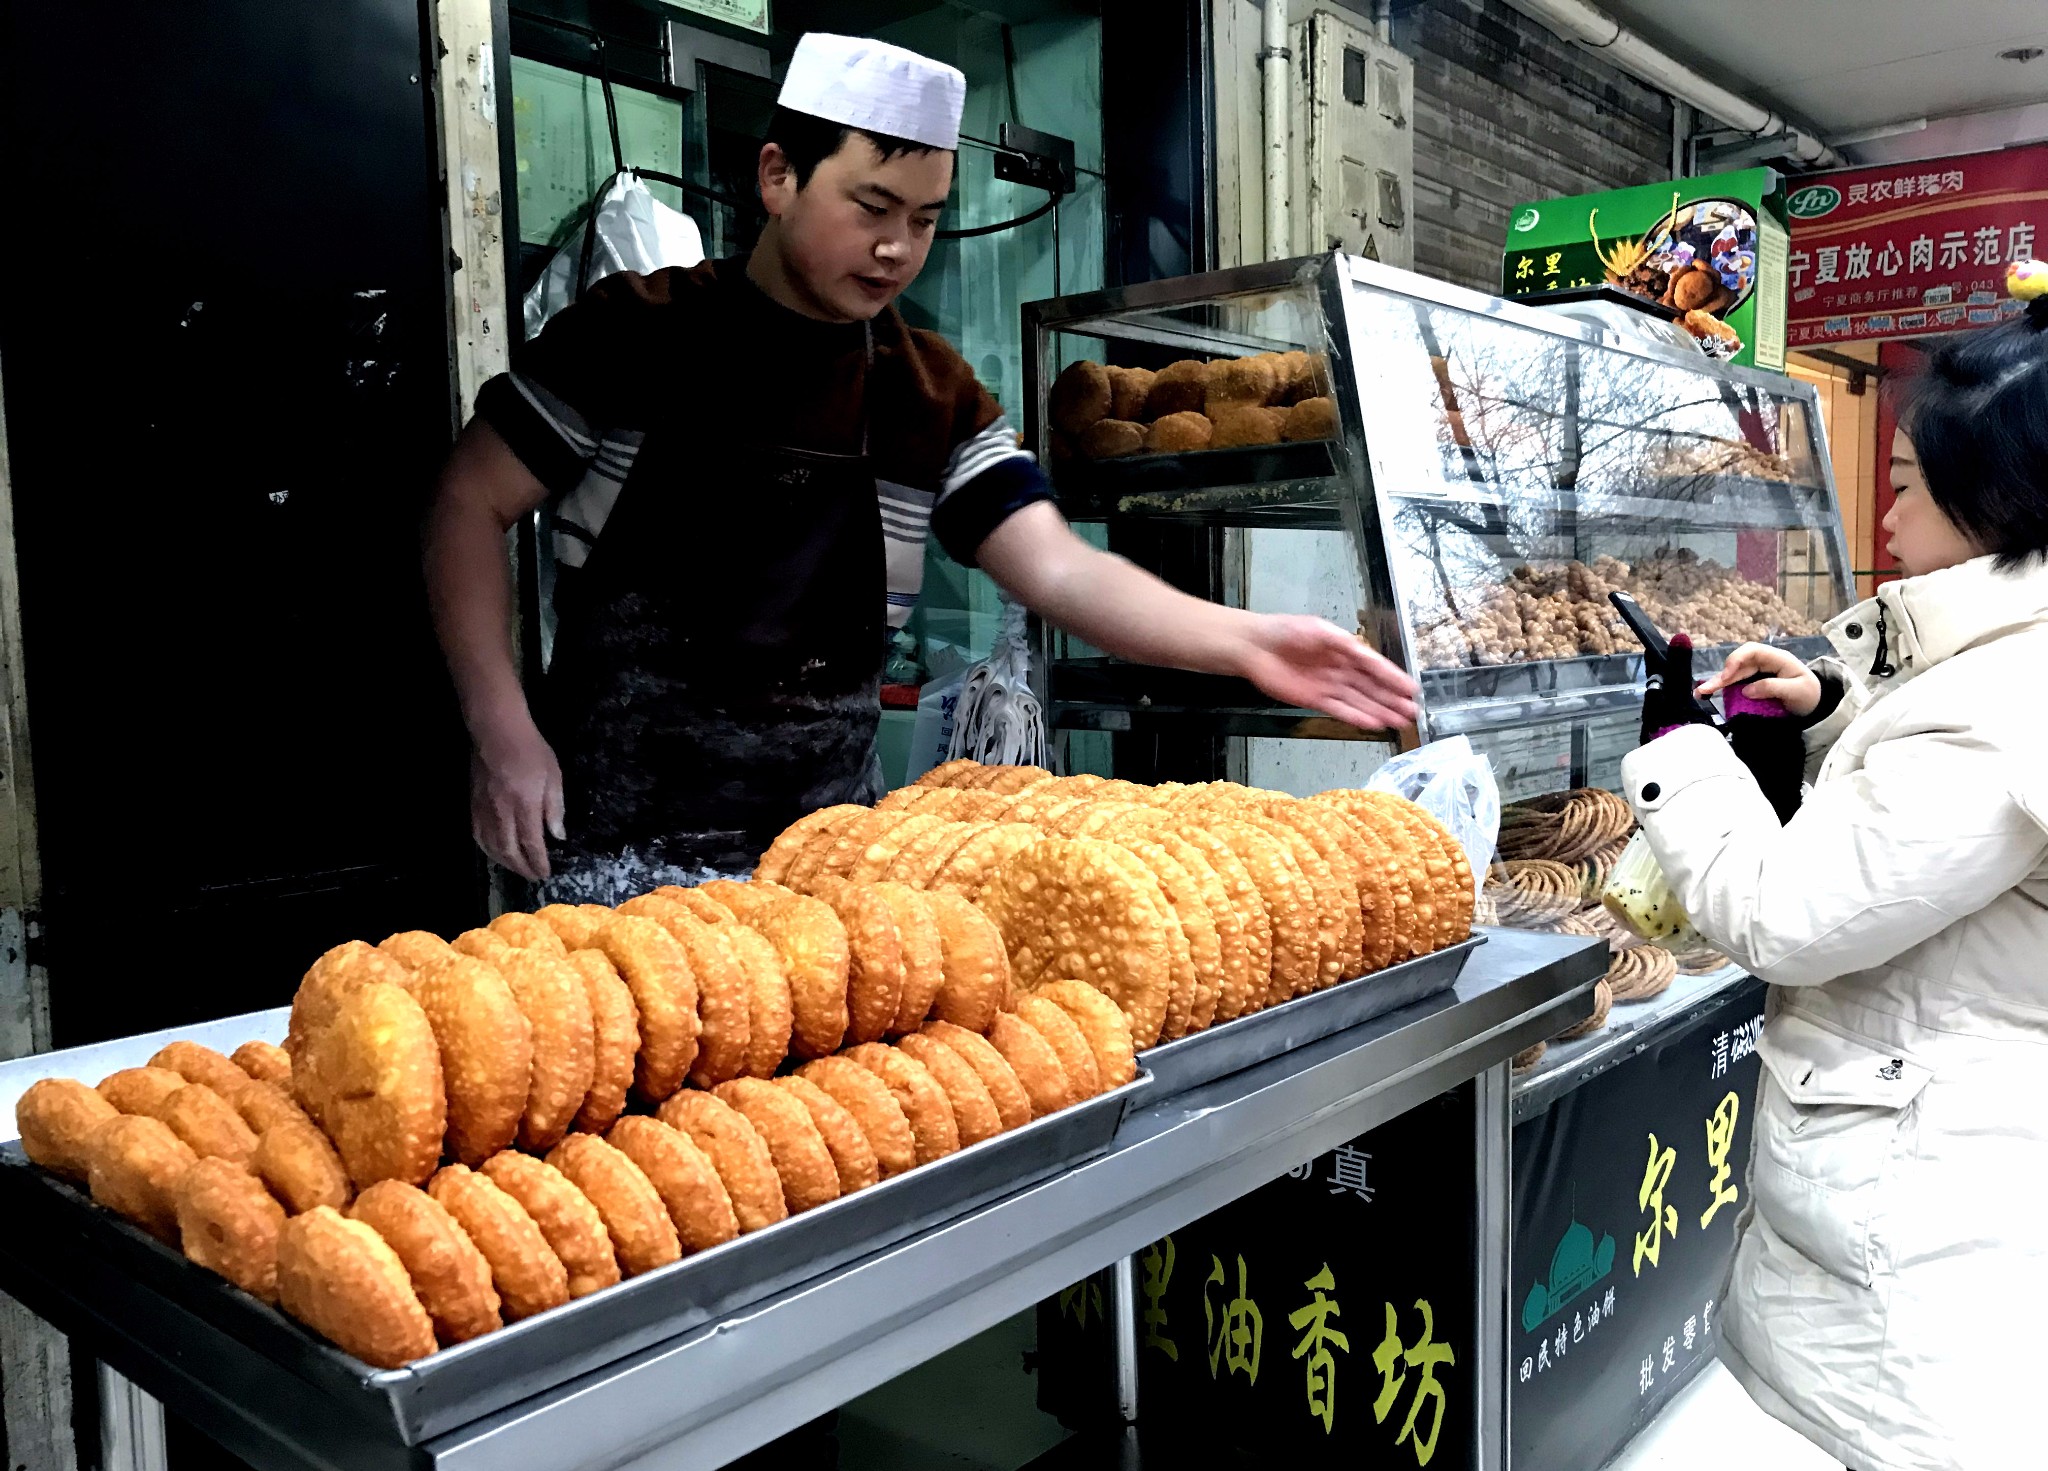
808,141
1977,414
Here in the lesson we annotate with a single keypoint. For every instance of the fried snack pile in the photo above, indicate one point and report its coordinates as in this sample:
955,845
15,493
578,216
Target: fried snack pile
1103,413
1560,610
459,1134
1185,906
1555,854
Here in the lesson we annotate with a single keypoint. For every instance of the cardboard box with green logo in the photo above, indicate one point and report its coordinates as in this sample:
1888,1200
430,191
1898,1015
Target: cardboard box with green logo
1711,251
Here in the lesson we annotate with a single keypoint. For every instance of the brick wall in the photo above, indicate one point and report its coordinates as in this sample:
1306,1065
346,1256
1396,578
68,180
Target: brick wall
1505,111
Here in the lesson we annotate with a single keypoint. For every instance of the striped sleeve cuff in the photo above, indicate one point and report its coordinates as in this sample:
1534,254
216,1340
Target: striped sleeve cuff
548,436
968,512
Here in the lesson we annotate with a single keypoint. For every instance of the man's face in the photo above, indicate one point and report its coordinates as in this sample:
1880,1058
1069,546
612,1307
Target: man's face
857,234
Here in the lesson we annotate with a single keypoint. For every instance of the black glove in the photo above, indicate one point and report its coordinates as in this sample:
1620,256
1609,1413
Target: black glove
1668,698
1772,744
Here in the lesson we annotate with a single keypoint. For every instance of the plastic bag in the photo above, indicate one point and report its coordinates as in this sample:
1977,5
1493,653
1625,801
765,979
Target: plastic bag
1639,895
635,232
1454,784
998,721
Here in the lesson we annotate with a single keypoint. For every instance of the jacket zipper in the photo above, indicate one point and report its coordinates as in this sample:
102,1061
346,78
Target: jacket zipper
1881,664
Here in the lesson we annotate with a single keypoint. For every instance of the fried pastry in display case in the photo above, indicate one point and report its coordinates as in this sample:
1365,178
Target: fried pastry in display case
1477,477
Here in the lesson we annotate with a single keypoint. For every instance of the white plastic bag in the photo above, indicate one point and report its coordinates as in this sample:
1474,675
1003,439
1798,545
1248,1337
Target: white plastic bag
635,232
1454,784
1638,894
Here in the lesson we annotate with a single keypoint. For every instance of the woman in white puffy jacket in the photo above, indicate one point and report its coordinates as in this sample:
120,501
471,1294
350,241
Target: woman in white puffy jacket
1890,1286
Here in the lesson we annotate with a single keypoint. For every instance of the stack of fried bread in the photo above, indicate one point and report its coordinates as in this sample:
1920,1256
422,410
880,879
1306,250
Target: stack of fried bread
1103,413
1556,852
455,1135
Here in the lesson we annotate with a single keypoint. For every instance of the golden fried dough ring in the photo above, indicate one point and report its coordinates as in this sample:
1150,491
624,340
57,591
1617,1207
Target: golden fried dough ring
874,978
1446,877
198,1064
335,974
974,1110
809,1175
57,1118
1415,852
1371,869
264,1062
1370,830
924,971
774,865
736,1150
974,966
835,856
852,1156
1013,1104
915,862
486,1051
1103,1023
1068,1043
378,1067
1333,904
1324,857
529,932
486,945
229,1224
574,1229
933,1129
867,1099
300,1166
1086,909
529,1277
1036,1064
449,1275
615,1040
973,861
262,1105
724,1004
698,903
140,1089
1255,925
1079,396
811,940
134,1170
657,971
747,902
1187,978
208,1123
771,1015
1290,908
575,925
552,996
414,948
683,1176
951,773
876,859
641,1234
343,1281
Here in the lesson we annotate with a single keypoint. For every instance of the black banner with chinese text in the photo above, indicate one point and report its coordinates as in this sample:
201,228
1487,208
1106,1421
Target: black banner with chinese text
1328,1314
1625,1199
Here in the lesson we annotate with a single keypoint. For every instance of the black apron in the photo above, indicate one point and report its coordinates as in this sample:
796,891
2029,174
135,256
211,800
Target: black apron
718,659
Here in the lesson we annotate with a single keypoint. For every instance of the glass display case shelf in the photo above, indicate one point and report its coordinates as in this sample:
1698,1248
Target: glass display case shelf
1461,478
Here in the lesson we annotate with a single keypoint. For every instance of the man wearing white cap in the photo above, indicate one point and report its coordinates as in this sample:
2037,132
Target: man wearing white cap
741,461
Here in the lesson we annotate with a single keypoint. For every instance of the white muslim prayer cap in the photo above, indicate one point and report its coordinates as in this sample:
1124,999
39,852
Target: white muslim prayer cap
877,88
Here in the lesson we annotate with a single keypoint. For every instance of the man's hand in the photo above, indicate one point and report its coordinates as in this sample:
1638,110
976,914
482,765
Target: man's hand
515,799
1308,662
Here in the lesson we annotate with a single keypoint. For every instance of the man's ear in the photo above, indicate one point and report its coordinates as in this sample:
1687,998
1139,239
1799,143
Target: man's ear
777,179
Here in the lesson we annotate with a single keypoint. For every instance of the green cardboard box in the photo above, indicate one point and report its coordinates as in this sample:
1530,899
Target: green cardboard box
1716,245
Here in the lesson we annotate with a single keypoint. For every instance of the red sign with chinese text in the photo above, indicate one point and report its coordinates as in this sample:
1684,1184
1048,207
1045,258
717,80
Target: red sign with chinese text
1910,249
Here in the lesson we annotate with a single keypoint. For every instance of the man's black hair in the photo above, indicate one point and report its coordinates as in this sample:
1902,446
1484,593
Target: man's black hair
1977,414
808,141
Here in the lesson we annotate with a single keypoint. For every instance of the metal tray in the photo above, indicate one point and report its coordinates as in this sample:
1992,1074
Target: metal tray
1251,1040
153,1290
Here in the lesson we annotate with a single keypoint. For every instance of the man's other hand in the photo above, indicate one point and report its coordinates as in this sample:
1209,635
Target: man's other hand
515,798
1315,664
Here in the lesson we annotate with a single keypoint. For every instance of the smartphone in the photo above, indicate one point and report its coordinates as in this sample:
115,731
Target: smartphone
1654,643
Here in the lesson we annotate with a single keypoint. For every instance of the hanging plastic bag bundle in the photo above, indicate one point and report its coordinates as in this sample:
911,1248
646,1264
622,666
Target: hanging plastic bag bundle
999,721
1454,784
628,229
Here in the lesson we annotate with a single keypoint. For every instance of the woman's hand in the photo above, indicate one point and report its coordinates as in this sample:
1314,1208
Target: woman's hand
1783,678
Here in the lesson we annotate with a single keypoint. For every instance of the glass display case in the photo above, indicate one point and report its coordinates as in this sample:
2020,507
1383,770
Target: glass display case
1475,476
